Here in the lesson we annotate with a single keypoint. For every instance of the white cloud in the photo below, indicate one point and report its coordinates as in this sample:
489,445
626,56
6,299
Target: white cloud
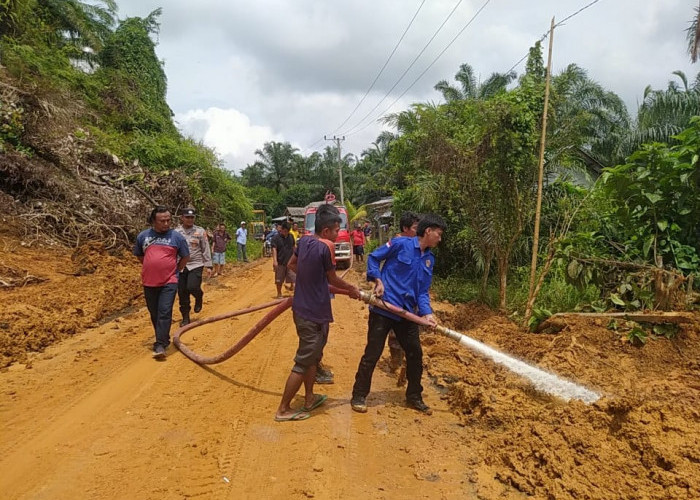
229,132
241,73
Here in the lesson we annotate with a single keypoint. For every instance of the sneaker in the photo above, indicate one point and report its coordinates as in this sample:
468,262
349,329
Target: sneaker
358,404
185,321
198,305
159,351
324,376
419,405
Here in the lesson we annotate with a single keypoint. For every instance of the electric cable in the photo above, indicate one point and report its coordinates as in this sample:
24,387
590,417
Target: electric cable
546,34
383,68
407,69
425,70
542,38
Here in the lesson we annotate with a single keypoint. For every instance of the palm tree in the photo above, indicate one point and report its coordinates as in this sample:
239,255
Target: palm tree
85,25
276,159
664,113
693,36
470,88
588,123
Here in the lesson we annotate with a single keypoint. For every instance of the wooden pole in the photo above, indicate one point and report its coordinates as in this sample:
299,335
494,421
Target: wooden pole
536,236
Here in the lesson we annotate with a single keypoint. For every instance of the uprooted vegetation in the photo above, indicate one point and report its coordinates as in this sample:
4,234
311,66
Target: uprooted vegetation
89,147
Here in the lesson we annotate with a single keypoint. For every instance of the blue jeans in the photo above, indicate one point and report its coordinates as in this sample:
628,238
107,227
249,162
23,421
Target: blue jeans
241,252
160,300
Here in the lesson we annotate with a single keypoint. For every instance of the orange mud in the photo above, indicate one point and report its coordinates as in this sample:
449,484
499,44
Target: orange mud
87,413
74,291
641,440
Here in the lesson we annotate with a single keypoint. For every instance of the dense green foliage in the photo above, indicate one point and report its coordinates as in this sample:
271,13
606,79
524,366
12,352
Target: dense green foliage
620,207
639,238
79,52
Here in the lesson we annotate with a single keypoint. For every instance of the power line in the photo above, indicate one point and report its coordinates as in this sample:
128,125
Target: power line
542,38
576,13
383,67
353,131
312,146
378,75
407,69
546,34
427,68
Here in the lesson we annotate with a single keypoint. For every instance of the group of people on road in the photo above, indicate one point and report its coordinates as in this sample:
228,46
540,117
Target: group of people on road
174,261
402,274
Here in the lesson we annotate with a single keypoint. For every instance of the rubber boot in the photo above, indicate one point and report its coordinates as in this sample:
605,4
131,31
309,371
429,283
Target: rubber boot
185,319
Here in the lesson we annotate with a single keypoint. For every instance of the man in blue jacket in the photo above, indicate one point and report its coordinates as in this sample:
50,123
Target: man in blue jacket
404,281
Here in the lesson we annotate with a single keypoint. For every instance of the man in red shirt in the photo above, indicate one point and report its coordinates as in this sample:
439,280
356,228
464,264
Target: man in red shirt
358,243
163,253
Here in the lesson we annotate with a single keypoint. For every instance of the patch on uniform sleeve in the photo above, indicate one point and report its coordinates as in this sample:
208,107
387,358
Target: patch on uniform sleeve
427,262
388,243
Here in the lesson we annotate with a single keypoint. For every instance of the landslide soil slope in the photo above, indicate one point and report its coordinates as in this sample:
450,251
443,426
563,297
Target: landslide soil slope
93,416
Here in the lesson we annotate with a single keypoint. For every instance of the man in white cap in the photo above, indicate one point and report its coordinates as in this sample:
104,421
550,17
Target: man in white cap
190,281
241,240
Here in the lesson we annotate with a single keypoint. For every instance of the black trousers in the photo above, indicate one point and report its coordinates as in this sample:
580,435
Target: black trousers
159,300
190,283
407,335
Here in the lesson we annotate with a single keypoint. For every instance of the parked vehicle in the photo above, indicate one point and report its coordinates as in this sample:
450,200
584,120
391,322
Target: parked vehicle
257,225
343,247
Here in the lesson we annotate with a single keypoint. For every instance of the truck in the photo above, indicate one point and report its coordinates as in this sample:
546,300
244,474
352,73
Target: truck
256,227
343,245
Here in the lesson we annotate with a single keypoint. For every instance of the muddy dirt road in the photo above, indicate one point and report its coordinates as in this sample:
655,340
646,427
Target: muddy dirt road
94,416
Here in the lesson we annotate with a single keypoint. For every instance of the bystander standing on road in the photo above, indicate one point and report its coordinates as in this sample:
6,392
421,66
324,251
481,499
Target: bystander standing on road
367,229
219,241
282,250
403,281
241,241
358,243
190,281
294,230
163,254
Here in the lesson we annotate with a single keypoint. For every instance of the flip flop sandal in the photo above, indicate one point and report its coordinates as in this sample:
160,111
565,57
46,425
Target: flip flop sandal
300,415
320,399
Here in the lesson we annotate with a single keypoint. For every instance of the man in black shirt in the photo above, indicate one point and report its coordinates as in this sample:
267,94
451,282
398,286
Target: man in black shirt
282,250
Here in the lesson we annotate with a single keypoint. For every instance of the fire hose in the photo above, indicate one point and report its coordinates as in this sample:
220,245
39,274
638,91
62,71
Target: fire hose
542,380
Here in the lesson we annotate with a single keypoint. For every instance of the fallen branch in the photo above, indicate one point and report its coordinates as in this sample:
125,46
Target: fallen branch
558,321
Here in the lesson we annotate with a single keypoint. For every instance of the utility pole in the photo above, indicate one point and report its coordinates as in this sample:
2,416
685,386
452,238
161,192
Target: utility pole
340,164
536,236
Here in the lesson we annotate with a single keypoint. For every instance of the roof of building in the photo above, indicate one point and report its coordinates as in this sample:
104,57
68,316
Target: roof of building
384,201
295,211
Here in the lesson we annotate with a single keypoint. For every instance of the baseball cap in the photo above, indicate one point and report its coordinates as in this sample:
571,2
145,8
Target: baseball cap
189,212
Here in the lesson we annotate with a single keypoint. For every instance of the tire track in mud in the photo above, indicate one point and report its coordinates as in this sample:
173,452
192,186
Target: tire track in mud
74,425
240,377
83,357
177,429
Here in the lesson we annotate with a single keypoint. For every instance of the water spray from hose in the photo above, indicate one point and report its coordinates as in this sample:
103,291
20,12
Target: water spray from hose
542,380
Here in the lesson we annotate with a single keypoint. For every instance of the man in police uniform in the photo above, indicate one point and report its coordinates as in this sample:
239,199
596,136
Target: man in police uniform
190,281
404,281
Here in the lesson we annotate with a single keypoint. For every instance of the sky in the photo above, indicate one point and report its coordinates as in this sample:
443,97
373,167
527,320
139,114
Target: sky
241,72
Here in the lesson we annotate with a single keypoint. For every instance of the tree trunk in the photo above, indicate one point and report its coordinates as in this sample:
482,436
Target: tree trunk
488,257
533,295
502,280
